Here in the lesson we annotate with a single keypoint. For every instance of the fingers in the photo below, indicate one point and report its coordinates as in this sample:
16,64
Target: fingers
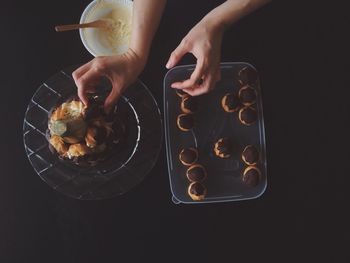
81,71
195,76
176,55
113,96
207,85
84,84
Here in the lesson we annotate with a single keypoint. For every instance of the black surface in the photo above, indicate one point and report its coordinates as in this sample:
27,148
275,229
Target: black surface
301,53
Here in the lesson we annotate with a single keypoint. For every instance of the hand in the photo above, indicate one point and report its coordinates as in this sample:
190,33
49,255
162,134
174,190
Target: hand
121,70
204,42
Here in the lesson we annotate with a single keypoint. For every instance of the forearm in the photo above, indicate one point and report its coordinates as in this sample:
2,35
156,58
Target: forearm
146,17
231,11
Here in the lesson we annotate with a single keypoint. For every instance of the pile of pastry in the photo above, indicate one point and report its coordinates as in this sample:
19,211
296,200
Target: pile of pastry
83,135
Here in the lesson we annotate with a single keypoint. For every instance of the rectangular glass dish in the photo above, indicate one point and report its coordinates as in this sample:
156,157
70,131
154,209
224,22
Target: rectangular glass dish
224,175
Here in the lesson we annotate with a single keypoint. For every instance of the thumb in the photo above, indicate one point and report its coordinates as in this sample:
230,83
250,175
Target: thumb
175,56
112,98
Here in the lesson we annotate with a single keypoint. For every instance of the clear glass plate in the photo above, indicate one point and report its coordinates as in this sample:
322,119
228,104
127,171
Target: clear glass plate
117,174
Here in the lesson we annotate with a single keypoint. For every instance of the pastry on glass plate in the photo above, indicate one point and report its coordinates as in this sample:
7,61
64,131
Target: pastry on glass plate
83,135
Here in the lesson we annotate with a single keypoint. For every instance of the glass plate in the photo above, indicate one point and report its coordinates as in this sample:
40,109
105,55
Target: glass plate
117,174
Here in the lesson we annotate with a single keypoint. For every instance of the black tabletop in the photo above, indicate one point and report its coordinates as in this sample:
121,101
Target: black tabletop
301,53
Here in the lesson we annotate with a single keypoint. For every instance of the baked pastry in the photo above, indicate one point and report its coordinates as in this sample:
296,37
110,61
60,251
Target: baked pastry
185,122
188,156
197,191
222,148
247,76
181,93
196,173
188,104
247,95
83,135
230,102
250,155
251,176
247,115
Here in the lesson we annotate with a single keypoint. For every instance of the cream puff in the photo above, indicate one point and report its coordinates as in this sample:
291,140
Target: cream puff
197,191
247,95
251,176
247,76
181,93
247,115
230,102
196,173
188,104
188,156
185,122
250,155
222,148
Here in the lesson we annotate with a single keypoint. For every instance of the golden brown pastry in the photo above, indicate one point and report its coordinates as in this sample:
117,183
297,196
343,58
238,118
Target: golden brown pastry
197,191
230,102
222,148
188,104
196,173
247,95
251,176
185,122
77,150
58,144
247,76
247,115
181,93
188,156
250,155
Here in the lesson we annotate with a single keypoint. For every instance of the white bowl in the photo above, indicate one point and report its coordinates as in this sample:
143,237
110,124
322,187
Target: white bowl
93,38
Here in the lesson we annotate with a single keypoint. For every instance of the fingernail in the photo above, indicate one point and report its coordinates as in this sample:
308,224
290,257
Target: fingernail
168,65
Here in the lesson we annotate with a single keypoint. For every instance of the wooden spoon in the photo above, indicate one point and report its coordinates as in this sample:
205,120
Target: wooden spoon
101,23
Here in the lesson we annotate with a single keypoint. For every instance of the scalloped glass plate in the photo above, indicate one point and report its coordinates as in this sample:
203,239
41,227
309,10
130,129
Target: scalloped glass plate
117,174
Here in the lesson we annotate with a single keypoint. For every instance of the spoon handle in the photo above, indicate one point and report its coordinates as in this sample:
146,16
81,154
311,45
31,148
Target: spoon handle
74,26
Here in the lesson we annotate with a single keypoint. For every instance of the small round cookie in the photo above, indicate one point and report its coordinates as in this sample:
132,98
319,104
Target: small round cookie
196,173
247,95
247,115
222,148
247,76
185,122
250,155
188,104
251,176
230,102
197,191
188,156
181,93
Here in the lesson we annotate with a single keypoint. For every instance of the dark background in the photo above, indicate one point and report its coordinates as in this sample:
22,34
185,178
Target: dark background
301,52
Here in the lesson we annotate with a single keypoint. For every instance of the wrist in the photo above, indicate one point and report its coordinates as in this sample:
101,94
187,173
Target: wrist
214,24
139,59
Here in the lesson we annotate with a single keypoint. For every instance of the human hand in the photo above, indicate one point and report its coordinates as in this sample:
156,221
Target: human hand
204,42
121,70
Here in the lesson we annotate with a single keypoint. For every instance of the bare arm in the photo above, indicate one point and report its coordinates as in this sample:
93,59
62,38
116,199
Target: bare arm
146,17
204,42
122,70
